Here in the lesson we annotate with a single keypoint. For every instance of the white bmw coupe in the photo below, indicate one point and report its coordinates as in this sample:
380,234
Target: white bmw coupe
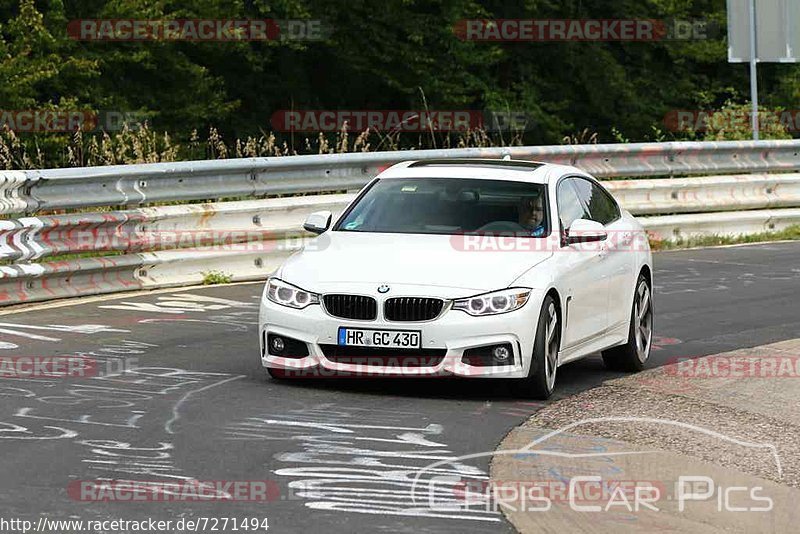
474,268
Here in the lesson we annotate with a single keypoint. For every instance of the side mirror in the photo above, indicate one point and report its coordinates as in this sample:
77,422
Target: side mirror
585,231
318,222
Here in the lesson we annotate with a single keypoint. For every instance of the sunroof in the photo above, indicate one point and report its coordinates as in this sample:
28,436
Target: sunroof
502,163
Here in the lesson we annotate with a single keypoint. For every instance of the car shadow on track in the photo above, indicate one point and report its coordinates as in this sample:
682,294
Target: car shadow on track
572,378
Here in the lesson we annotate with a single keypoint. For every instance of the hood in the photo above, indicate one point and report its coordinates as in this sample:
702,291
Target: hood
361,260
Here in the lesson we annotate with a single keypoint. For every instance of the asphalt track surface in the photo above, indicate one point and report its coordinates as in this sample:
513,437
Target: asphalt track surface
203,409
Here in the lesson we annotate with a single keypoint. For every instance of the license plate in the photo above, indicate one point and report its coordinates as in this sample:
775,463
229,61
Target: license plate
394,339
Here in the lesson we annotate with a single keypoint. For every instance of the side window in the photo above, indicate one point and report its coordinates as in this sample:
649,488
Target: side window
602,207
570,208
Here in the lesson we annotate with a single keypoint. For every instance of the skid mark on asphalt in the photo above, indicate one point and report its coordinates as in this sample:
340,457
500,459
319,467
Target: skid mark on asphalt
21,330
670,281
180,303
176,413
514,409
238,316
109,417
17,432
349,459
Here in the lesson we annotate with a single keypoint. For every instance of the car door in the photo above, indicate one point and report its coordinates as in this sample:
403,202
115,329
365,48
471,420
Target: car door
585,280
617,261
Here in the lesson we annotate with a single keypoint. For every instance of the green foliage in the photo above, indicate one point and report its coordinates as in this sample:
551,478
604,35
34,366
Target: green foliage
733,123
211,278
790,233
395,54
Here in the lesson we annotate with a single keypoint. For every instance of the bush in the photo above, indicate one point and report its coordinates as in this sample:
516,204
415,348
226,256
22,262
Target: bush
211,278
733,123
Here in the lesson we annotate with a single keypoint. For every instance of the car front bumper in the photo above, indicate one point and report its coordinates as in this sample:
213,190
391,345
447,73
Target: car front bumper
454,331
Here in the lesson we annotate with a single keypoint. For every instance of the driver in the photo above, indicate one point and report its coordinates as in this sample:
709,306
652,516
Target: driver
531,215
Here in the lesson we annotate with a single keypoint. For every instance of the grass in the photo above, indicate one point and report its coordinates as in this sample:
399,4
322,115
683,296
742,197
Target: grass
211,278
791,233
142,144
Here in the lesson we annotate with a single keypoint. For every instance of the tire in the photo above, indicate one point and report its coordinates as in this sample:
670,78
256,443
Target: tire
632,356
540,382
277,374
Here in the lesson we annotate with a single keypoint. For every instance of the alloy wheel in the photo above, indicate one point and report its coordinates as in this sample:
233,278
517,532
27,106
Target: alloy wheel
643,321
551,342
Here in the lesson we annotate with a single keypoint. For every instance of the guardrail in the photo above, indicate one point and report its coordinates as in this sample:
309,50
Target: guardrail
160,228
136,185
175,245
710,193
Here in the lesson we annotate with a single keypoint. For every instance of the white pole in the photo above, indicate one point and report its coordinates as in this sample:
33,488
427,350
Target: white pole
753,69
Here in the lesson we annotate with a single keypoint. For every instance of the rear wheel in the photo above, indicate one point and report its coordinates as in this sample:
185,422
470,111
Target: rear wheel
633,355
541,379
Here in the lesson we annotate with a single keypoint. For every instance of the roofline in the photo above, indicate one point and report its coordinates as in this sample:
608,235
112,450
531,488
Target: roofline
486,162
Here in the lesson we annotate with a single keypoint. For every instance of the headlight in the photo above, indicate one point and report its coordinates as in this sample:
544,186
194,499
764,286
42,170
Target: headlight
285,294
495,302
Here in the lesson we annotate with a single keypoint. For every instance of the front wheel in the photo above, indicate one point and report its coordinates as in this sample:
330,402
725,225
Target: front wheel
278,374
541,379
632,355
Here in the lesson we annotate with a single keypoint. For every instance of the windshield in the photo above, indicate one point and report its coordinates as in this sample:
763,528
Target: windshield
450,206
